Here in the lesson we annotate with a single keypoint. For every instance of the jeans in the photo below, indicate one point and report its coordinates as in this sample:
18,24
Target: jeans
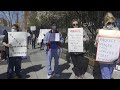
106,70
14,62
50,54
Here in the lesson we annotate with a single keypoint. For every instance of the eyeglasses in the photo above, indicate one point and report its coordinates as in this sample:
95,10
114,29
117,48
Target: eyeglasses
75,24
110,23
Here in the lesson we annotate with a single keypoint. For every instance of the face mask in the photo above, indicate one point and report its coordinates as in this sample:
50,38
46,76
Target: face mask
110,27
13,30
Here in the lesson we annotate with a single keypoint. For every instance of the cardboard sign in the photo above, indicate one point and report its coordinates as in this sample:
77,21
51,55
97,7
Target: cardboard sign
108,45
42,34
18,41
33,28
75,39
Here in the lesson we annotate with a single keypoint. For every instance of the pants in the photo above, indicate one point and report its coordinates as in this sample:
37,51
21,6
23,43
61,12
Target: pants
41,44
106,70
14,62
28,40
97,70
33,44
50,54
79,64
3,54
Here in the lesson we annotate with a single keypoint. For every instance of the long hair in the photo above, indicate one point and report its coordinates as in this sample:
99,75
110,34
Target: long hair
108,18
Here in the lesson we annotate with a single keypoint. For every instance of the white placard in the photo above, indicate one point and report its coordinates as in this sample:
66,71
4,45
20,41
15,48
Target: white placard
33,28
54,37
108,46
18,40
75,39
42,34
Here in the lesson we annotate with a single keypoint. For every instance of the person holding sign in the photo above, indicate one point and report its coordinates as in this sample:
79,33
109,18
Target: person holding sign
106,65
12,61
77,37
53,44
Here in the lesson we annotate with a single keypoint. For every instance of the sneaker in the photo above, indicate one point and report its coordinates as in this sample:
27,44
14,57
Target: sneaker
49,76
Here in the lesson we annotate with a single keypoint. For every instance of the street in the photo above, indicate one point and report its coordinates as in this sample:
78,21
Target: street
35,67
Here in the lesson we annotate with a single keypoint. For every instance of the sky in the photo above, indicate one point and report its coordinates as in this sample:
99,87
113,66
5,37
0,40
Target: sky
14,17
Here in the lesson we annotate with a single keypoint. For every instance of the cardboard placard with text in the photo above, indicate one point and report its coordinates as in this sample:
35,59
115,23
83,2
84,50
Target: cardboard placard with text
75,39
18,41
108,48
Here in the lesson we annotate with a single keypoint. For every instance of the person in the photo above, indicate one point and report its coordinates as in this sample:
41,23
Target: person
33,41
28,37
96,67
52,50
12,61
107,67
41,43
79,63
3,52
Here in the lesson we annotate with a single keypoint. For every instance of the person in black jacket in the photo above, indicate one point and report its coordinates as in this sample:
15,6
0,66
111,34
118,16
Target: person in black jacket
12,61
79,63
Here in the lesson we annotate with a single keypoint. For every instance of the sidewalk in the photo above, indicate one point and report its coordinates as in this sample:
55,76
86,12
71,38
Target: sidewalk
35,67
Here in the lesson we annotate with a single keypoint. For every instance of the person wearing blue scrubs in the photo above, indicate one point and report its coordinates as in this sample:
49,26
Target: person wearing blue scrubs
107,67
52,50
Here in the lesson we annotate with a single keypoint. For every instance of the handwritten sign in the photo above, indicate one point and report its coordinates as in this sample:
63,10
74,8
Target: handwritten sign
108,45
33,28
18,41
42,34
54,37
75,39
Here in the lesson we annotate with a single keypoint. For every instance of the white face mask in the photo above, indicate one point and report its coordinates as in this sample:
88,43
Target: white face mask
13,30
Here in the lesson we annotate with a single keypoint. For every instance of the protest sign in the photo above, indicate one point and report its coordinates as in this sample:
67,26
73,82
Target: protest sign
18,42
75,39
108,45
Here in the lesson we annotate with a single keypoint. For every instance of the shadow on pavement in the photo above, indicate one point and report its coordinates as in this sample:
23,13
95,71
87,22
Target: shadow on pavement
31,69
25,71
61,69
3,75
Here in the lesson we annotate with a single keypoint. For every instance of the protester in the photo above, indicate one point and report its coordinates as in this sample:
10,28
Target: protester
28,36
107,67
33,40
79,63
12,61
52,50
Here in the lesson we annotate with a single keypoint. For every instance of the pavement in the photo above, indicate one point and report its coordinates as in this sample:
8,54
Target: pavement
34,67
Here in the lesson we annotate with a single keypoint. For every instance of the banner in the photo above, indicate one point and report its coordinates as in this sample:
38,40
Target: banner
18,41
75,39
108,48
33,28
42,34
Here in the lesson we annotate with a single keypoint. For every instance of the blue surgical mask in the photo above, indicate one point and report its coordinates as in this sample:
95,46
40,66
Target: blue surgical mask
110,27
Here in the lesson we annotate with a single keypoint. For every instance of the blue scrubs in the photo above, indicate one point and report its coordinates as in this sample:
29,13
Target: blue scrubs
52,52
